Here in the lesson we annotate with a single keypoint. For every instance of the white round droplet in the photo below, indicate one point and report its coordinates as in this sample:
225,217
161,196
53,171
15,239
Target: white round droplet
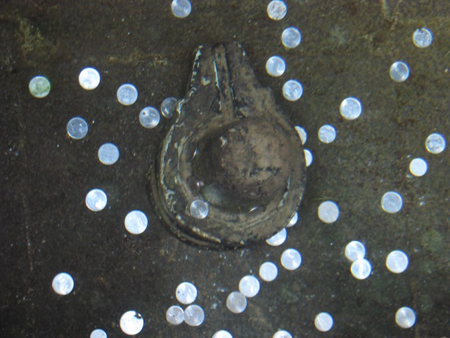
291,259
39,86
63,283
422,37
169,106
391,202
199,209
98,333
236,302
355,250
268,271
175,315
308,157
397,261
194,315
327,133
293,220
276,10
127,94
399,71
405,317
361,268
181,8
302,134
249,286
292,90
275,66
131,323
291,37
186,293
328,212
108,154
323,322
351,108
222,334
136,222
149,117
89,78
96,200
77,128
277,239
435,143
418,167
282,334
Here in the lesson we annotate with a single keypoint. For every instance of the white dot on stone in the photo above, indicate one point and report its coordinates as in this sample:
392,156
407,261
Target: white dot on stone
351,108
249,286
418,167
399,71
96,200
435,143
276,10
268,271
175,315
63,283
39,86
77,128
222,334
291,37
422,37
194,315
292,90
181,8
291,259
405,317
328,212
308,157
355,250
275,66
361,269
168,107
98,333
323,322
136,222
391,202
236,302
89,78
397,261
108,154
327,133
282,334
302,134
149,117
131,323
277,239
127,94
186,293
293,220
199,209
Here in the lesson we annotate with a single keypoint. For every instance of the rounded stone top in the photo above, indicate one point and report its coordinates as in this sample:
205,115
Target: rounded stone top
232,168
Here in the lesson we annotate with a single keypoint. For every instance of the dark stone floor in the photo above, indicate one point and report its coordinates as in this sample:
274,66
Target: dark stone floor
347,49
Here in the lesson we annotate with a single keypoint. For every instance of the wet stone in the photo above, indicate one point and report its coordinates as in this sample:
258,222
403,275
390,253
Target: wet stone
222,176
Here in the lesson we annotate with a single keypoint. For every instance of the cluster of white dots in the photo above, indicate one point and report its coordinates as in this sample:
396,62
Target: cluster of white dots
136,221
193,315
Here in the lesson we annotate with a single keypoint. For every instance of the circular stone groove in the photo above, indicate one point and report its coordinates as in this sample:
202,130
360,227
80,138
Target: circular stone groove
232,148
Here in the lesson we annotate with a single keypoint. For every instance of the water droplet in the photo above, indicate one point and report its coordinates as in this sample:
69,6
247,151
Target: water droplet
236,302
268,271
399,71
108,154
435,143
350,108
181,8
186,293
276,10
63,283
292,90
323,322
136,222
131,323
291,37
328,212
405,317
89,78
275,66
249,286
391,202
96,200
77,128
39,86
149,117
127,94
361,269
422,37
397,261
291,259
